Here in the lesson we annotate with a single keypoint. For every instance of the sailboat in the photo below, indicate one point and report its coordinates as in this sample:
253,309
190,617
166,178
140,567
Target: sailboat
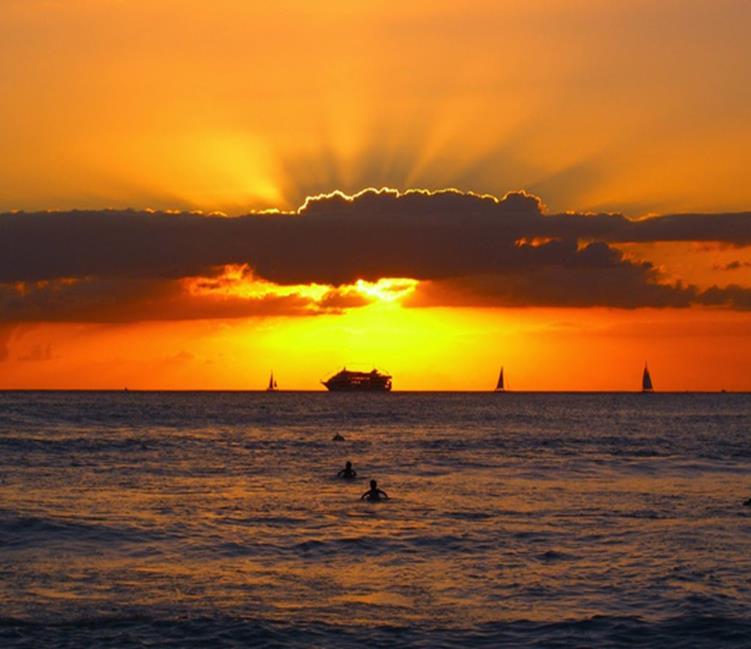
272,384
646,380
499,386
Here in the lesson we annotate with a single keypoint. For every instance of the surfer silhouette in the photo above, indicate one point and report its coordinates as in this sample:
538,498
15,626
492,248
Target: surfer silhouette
374,493
347,472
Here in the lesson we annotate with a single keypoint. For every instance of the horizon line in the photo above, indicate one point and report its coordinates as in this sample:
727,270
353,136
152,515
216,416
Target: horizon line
312,391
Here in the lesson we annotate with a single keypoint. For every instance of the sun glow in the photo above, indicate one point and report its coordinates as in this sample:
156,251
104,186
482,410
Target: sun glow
390,289
250,108
239,281
214,121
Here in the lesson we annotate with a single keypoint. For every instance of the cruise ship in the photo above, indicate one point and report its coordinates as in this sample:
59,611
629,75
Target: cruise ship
348,381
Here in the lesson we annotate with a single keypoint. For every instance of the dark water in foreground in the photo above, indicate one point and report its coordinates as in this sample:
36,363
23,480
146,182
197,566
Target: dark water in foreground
521,520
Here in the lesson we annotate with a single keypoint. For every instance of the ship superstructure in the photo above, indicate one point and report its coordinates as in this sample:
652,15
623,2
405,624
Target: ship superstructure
349,381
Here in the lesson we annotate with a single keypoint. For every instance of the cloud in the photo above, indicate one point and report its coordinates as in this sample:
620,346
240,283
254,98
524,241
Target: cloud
465,248
116,300
338,299
732,296
733,265
331,239
564,276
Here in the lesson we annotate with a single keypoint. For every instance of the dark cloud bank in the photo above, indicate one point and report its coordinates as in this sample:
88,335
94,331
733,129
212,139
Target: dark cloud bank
468,250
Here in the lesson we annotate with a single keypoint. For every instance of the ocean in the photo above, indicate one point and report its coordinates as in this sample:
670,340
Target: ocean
209,519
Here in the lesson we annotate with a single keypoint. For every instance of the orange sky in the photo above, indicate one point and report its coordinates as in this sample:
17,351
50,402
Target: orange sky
457,349
630,106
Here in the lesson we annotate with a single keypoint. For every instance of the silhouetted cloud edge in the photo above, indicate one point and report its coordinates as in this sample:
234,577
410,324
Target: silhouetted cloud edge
467,248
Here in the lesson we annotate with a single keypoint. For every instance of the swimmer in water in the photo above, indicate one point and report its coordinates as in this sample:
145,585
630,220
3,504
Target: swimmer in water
374,493
337,438
347,472
747,503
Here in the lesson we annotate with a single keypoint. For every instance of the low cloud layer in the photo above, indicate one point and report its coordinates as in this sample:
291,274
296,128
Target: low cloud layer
118,300
466,249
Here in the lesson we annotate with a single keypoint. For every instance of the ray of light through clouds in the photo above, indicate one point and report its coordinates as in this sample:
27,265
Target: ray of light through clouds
632,106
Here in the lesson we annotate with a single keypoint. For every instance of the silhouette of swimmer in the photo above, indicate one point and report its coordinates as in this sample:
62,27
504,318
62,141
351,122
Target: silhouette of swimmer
347,472
337,438
374,493
748,503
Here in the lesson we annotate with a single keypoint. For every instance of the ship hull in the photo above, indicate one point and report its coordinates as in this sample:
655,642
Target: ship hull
347,387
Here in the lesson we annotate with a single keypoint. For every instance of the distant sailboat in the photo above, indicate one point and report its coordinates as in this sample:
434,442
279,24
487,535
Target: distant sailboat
272,384
500,386
646,380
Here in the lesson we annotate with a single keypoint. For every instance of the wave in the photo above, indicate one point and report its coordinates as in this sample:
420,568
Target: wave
604,632
19,532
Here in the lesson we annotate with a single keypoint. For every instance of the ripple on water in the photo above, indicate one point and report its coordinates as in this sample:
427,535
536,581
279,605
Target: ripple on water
697,632
32,532
132,520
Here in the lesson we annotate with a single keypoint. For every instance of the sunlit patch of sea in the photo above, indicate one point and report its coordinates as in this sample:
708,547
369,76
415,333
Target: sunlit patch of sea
215,519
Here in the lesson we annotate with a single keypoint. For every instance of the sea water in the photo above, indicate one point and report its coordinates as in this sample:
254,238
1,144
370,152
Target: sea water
528,520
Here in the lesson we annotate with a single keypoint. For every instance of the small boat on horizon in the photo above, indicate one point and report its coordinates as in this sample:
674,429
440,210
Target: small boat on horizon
500,387
646,380
272,387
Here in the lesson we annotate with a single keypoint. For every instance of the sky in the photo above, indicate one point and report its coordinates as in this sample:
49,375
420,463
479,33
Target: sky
194,194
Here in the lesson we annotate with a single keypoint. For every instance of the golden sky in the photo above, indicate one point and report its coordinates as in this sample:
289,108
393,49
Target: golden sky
634,107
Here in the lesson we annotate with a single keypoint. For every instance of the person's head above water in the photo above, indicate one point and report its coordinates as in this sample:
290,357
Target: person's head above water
347,472
374,493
